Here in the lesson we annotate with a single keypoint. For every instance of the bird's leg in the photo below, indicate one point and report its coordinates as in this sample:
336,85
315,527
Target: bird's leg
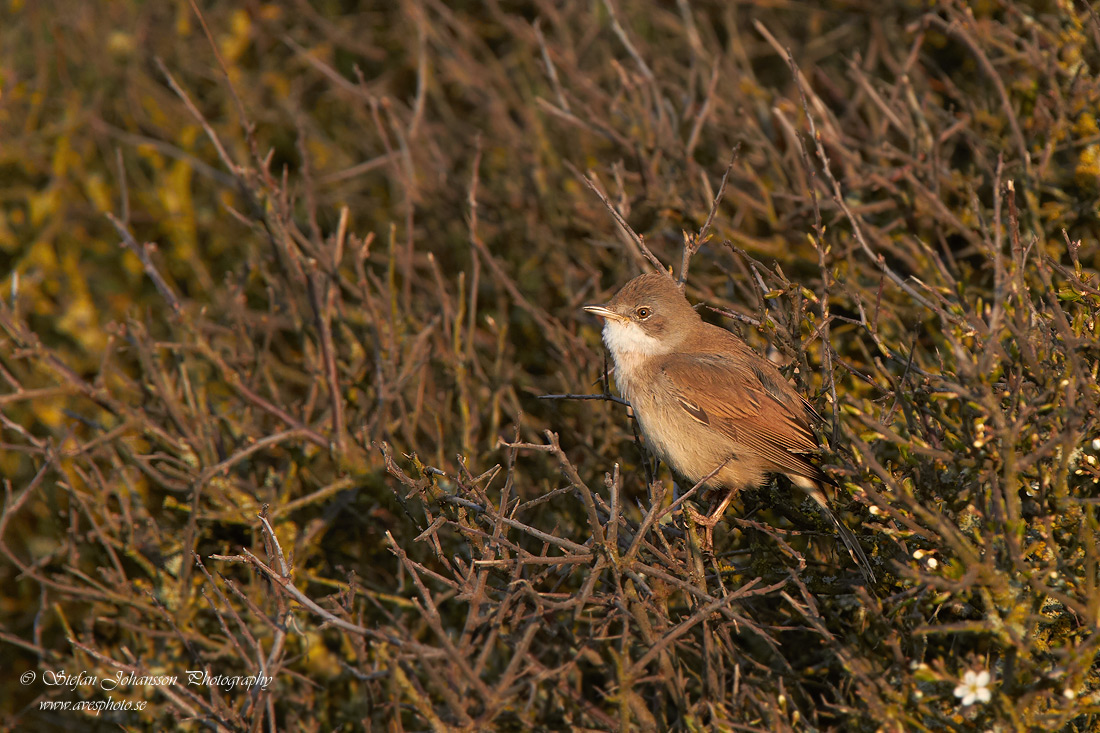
711,520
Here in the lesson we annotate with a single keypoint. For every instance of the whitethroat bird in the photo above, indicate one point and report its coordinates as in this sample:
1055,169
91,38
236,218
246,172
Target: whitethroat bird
707,404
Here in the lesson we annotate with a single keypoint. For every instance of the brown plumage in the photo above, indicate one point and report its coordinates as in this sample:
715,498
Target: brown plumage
704,399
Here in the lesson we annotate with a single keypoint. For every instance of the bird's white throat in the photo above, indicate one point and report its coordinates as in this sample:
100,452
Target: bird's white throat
629,338
629,345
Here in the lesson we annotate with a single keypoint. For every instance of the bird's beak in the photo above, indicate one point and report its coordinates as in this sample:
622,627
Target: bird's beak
603,312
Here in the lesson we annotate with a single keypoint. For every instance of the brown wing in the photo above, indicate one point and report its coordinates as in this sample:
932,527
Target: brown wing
746,399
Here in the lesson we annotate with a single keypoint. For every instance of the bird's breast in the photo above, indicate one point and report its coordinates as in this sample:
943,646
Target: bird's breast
692,449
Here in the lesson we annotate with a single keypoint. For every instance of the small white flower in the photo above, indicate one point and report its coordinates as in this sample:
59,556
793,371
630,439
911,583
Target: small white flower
974,687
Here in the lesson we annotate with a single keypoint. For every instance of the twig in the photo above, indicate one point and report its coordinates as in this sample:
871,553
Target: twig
551,71
605,397
857,230
638,241
620,33
223,154
553,447
144,253
692,244
321,295
956,29
656,513
537,533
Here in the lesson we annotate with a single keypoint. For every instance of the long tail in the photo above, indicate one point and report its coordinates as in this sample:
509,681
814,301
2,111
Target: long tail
858,557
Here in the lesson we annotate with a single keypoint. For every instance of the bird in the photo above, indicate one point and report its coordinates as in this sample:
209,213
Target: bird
708,405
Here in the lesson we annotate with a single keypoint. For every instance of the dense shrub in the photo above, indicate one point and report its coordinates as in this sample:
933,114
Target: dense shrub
287,283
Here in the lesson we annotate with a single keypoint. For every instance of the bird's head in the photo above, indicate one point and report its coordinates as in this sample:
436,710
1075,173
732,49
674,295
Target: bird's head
648,317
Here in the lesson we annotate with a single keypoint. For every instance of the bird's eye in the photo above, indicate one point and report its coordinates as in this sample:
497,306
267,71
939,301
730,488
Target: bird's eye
643,313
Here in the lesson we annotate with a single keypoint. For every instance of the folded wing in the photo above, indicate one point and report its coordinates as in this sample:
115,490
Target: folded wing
747,400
